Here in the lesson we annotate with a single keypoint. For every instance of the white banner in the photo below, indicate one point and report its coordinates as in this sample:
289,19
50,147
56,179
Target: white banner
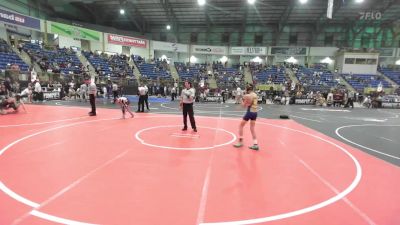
212,50
51,95
169,46
248,51
127,41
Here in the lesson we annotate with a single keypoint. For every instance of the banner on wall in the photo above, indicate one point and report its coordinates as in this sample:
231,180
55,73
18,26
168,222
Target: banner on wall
389,52
248,51
126,41
288,51
169,46
205,49
74,32
18,19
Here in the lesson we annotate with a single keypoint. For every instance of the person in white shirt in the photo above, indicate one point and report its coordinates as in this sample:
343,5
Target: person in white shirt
92,91
238,96
37,93
367,102
141,94
115,91
104,92
83,92
124,103
173,93
27,92
329,99
71,93
186,104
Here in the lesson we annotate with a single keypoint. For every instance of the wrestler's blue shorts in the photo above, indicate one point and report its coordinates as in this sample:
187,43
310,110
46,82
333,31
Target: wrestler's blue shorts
250,116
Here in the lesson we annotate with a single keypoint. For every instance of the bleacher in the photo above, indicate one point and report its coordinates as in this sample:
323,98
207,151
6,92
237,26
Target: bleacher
99,64
361,81
316,79
152,70
186,74
9,58
227,74
268,74
113,66
60,60
120,66
392,74
228,77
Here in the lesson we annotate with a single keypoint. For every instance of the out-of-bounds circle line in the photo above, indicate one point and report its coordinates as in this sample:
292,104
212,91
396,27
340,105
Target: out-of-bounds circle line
308,209
28,202
337,131
41,123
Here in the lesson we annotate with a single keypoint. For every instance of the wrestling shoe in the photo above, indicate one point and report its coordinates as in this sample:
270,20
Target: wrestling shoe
238,145
254,147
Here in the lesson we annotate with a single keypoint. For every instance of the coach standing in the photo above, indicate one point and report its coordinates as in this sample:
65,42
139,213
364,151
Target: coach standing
187,99
92,91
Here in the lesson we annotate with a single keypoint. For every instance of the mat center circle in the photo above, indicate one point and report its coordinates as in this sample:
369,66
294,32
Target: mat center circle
171,137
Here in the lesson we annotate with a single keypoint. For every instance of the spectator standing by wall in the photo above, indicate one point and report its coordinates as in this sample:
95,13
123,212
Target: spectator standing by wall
104,92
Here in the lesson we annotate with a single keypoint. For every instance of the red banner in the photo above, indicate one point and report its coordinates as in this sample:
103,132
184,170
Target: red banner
127,41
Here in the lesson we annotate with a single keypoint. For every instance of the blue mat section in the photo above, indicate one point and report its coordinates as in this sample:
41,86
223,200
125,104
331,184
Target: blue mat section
135,98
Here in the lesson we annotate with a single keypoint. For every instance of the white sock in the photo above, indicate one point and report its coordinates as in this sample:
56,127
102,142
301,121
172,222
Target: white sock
255,141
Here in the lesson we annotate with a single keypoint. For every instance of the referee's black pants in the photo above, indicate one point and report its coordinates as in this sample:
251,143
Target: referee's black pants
141,103
350,103
115,93
146,100
92,100
188,109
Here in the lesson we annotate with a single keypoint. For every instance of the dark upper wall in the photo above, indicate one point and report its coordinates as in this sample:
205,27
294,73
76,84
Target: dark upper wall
353,34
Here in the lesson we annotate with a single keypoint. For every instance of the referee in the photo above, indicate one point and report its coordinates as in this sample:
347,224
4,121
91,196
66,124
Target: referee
187,98
92,91
142,96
